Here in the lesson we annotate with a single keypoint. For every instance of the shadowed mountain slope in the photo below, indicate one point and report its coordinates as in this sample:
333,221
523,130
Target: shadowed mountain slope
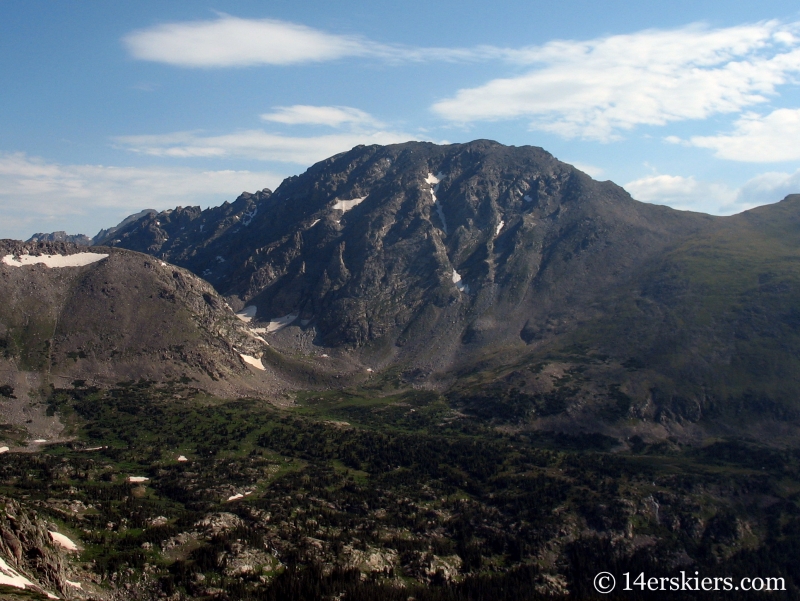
424,252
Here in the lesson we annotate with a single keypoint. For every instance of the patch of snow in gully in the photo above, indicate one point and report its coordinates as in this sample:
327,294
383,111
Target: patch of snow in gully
253,361
276,324
434,180
248,313
346,205
462,287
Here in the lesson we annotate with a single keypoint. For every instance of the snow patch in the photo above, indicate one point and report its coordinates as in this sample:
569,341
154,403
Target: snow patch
253,361
313,223
434,180
63,541
4,450
182,458
247,314
346,205
276,324
248,217
10,577
235,497
39,440
499,227
137,479
163,264
76,260
462,287
73,584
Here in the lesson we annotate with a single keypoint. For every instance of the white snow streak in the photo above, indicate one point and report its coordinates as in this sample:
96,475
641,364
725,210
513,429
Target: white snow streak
248,217
76,260
4,450
462,287
137,479
313,223
434,180
499,227
346,205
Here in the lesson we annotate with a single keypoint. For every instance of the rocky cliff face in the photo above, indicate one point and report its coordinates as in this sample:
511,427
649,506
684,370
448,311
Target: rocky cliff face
475,263
33,559
421,250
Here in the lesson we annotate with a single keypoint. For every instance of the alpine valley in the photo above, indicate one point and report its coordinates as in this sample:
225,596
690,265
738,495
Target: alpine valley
458,372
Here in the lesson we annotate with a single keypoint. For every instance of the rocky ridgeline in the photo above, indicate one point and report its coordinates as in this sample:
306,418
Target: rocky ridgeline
425,251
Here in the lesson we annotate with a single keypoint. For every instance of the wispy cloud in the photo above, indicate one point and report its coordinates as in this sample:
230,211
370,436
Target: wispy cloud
598,88
332,116
688,193
593,89
257,144
756,138
233,42
229,41
37,195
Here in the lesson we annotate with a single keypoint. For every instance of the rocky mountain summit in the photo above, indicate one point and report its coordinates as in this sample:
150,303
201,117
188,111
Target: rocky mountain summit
61,236
432,262
430,249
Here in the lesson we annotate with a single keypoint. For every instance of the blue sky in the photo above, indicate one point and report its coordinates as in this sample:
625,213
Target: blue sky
109,108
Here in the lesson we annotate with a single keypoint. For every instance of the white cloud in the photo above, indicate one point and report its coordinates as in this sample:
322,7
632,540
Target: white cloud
230,41
687,193
598,88
758,139
333,116
234,42
36,195
257,144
